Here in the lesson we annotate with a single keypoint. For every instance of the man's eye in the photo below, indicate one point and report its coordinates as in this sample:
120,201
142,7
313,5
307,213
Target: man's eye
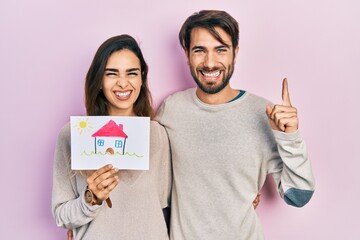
199,51
221,50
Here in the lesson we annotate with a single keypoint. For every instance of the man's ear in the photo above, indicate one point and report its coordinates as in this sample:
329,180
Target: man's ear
236,53
187,57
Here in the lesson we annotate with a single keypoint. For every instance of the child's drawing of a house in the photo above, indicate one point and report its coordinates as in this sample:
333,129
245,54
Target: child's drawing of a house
110,138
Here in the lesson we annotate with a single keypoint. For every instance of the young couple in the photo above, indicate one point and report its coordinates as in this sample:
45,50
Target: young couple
223,141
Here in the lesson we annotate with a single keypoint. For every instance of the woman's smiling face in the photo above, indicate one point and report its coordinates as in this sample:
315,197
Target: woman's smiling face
121,83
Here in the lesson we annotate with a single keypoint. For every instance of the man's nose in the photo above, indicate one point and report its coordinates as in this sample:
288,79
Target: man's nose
210,60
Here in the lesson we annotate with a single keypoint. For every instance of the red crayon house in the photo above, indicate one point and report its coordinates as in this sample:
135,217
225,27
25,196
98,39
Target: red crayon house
111,138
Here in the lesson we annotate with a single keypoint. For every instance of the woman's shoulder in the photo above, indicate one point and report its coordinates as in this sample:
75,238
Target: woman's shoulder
65,132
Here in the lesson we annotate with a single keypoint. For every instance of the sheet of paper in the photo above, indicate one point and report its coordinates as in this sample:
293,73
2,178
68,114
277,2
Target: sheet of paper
98,140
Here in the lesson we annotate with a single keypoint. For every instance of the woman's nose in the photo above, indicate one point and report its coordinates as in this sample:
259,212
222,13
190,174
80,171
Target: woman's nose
122,82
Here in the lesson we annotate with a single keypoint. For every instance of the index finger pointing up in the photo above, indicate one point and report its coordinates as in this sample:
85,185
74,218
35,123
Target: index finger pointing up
285,93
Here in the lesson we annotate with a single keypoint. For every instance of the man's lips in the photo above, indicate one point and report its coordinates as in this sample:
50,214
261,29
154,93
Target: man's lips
210,75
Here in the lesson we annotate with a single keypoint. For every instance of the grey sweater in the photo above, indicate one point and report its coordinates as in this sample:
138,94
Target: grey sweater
221,155
137,200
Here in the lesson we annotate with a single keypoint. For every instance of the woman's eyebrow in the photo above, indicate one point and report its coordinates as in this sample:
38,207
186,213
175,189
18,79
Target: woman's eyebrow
132,69
111,69
127,70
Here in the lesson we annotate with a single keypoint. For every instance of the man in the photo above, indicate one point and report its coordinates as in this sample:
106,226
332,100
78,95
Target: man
225,142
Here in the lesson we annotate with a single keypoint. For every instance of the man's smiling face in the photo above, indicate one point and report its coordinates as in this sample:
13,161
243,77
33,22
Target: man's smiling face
211,62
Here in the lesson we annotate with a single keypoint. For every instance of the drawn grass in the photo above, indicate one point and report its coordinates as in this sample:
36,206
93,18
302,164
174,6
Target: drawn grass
92,153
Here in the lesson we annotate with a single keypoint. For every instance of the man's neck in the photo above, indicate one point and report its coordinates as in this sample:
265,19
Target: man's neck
224,96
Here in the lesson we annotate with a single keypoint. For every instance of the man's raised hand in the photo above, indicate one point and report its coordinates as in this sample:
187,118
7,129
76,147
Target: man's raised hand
283,117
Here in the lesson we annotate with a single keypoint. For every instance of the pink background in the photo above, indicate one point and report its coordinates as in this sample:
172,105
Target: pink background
47,46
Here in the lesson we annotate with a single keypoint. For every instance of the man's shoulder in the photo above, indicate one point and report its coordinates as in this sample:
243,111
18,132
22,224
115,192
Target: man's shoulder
180,96
156,127
256,99
252,103
175,104
157,132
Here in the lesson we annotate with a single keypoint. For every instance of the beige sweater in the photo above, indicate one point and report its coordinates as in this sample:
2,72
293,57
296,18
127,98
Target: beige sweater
221,155
137,200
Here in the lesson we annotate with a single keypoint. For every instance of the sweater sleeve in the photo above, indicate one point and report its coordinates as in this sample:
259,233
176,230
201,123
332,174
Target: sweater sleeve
68,204
293,173
161,148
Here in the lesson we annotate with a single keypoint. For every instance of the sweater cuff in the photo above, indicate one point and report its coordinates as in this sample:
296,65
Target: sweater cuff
279,135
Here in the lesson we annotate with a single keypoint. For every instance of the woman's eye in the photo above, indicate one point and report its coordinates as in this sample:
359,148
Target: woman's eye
133,74
109,74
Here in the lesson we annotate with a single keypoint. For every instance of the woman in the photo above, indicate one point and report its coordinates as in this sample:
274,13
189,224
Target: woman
116,85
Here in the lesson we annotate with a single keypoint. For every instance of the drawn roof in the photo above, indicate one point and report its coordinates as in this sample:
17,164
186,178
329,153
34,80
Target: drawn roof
111,129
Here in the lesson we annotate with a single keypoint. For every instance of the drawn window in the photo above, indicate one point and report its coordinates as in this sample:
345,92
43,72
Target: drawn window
118,143
101,142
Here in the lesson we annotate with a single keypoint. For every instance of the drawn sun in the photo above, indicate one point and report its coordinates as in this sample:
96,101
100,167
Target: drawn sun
83,126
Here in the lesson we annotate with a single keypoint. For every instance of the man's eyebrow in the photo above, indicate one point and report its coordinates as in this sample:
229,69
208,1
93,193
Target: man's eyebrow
197,47
217,47
223,46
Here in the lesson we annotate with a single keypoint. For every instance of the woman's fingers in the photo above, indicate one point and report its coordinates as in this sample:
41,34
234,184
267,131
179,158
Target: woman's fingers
104,193
70,234
98,172
103,181
256,200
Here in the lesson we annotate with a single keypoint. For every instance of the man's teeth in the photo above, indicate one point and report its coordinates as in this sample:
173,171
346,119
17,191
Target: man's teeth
122,94
211,74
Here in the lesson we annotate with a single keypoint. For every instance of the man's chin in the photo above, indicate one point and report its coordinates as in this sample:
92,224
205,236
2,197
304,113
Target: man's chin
210,89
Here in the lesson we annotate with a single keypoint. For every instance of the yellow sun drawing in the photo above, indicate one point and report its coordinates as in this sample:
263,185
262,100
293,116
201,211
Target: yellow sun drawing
83,126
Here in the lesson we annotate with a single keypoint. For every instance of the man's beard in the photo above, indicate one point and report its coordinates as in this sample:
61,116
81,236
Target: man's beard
212,88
